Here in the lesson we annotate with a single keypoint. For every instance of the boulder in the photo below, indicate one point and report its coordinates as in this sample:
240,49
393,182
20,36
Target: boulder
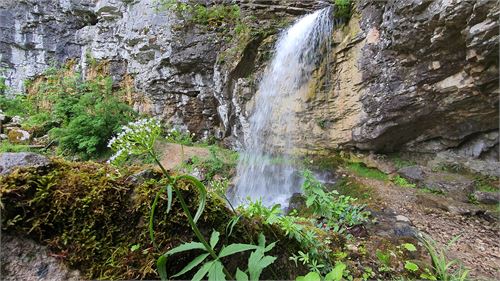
487,197
18,136
414,174
11,161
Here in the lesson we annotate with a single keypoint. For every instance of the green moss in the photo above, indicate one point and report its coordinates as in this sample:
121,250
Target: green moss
90,214
361,170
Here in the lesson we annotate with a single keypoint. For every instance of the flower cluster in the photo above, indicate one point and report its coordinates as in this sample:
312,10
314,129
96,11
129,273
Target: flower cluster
135,138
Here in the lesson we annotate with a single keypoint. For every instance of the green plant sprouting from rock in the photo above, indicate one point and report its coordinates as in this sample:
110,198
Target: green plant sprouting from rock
139,138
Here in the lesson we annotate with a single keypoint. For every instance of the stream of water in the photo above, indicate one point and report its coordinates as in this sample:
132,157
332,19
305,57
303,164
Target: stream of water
265,171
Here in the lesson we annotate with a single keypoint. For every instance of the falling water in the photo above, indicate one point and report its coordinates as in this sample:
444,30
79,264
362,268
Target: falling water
265,170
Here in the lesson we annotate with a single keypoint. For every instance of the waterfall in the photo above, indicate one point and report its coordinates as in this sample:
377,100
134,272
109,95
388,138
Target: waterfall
264,169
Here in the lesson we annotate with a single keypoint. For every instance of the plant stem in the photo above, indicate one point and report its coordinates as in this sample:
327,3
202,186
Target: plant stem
185,208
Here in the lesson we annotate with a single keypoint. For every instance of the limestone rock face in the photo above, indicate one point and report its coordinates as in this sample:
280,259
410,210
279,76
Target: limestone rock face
401,75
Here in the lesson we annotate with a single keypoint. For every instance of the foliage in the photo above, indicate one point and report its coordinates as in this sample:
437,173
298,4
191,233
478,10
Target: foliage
334,275
214,268
3,86
80,115
444,268
220,162
400,181
337,209
13,106
139,138
343,9
486,184
6,146
91,214
363,171
180,137
214,15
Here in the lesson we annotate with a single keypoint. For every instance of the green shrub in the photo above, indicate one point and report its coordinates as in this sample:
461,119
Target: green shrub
343,9
80,115
16,105
193,12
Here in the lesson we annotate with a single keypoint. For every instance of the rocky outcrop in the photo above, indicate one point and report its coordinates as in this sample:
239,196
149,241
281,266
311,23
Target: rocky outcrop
11,161
401,75
411,75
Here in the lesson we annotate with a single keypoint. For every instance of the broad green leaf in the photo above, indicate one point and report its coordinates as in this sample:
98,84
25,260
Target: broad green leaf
161,264
201,189
216,272
411,266
202,271
257,262
199,259
241,276
311,276
262,240
269,247
235,248
185,247
214,239
410,247
336,273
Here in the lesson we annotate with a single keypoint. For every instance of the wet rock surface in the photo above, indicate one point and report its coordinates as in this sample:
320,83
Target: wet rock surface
404,75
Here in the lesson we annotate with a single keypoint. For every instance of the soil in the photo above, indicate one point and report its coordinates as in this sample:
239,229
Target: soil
443,218
173,155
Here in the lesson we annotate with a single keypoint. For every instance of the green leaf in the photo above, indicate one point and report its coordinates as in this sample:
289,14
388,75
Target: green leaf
411,266
161,264
262,240
201,189
311,276
336,273
231,225
152,215
410,247
135,247
216,272
199,259
428,276
214,239
185,247
241,276
235,248
257,262
202,271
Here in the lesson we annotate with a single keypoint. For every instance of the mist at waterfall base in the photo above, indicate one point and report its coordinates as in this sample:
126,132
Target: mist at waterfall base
265,170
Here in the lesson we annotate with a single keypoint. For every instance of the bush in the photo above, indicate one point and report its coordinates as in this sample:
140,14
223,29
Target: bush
81,115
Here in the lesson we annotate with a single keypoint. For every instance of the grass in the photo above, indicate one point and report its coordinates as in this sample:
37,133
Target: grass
6,146
485,184
444,268
433,191
361,170
400,181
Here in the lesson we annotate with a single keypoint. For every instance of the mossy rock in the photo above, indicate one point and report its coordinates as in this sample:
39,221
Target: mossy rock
91,215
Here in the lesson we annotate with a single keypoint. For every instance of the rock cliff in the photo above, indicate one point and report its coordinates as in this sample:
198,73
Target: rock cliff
401,75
